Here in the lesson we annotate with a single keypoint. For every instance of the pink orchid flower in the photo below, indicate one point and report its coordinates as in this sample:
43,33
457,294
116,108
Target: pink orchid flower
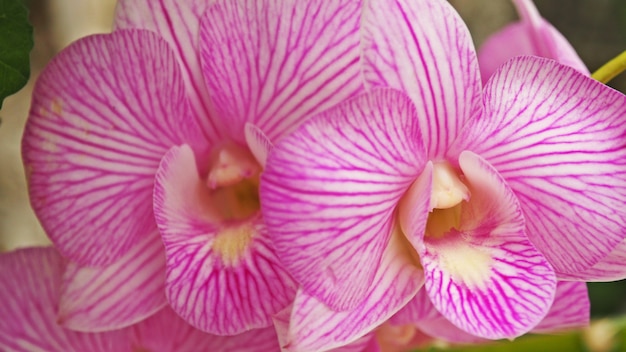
30,287
531,35
144,146
483,195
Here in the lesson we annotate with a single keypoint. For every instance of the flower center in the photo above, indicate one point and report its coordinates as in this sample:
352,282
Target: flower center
447,198
233,183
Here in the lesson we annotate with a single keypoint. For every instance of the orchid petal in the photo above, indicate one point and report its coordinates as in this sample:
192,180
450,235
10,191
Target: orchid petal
532,35
610,268
423,48
178,23
570,309
258,143
421,313
29,289
486,277
104,112
118,295
223,280
557,137
415,206
330,190
274,62
167,332
316,327
418,309
366,343
441,328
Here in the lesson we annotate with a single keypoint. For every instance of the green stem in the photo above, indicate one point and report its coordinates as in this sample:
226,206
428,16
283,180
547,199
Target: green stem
611,69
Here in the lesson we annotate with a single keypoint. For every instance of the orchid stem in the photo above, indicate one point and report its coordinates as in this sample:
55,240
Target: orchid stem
611,69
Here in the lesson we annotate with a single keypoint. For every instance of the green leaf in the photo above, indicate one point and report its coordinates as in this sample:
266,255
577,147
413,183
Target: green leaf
16,41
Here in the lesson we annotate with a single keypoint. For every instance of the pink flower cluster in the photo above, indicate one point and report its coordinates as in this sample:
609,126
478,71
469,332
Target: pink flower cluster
346,175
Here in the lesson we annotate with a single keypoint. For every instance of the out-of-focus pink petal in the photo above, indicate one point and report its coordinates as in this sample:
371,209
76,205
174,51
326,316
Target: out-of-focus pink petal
418,309
423,48
178,22
223,279
330,190
258,143
104,112
486,277
441,328
120,294
558,138
29,290
532,35
421,313
316,327
610,268
366,343
274,62
570,309
167,332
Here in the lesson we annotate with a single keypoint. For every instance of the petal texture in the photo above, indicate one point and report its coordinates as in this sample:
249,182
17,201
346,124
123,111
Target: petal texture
104,112
423,48
330,189
118,295
610,268
486,277
315,327
167,332
29,289
223,279
557,137
178,23
274,62
570,309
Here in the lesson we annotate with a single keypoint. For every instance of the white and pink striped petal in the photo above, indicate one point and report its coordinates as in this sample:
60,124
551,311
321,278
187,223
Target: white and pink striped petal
313,326
484,275
570,310
330,190
178,23
104,112
223,278
532,35
118,295
557,137
30,281
610,268
423,48
272,63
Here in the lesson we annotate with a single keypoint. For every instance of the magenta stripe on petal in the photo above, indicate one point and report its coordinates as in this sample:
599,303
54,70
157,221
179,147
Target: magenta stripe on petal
610,268
570,309
222,278
275,62
104,112
29,290
423,48
485,276
316,327
557,137
178,23
330,190
118,295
